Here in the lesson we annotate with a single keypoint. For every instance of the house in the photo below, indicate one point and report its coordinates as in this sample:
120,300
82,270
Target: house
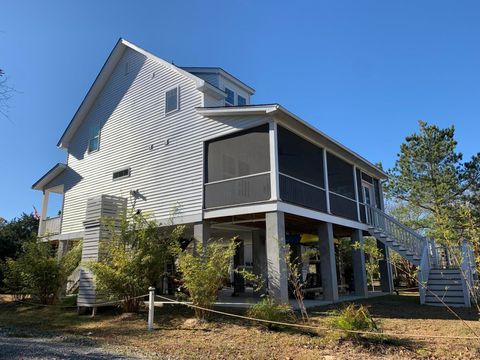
155,136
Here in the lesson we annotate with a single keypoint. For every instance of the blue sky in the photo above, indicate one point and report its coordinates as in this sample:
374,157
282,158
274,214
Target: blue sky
364,72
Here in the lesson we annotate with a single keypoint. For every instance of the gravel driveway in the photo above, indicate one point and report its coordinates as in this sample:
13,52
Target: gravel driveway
15,344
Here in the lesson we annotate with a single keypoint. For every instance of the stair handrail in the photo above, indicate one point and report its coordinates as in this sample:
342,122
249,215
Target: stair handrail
379,219
74,278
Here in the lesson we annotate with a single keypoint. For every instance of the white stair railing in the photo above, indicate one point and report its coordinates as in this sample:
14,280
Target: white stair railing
73,280
395,230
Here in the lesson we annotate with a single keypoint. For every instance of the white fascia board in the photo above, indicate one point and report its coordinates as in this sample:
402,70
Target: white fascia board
49,176
234,110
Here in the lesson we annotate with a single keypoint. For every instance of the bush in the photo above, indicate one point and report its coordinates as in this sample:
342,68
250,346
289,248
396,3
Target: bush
267,309
132,257
205,273
38,273
353,318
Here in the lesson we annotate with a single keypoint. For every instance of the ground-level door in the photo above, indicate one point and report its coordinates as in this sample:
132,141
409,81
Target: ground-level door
368,195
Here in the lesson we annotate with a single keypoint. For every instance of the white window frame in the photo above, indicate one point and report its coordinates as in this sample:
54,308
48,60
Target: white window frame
122,177
90,138
178,100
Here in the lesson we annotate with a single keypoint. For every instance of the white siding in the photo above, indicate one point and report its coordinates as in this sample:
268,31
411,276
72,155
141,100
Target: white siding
131,111
224,82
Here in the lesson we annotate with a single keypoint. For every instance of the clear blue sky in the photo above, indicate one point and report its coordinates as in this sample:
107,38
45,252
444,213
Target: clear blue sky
363,72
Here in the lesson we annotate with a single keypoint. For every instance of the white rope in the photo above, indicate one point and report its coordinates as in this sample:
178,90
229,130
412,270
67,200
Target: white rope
304,326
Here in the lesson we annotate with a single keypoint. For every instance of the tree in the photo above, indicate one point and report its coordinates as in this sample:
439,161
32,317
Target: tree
204,273
38,273
15,233
5,94
431,177
132,257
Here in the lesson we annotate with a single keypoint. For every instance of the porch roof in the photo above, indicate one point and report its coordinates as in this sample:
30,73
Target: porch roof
295,123
49,176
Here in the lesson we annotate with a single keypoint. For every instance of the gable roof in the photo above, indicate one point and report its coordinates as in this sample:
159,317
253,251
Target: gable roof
292,121
103,76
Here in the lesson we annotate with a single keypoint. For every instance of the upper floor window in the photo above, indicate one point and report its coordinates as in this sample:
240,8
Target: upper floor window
241,100
172,102
230,99
94,138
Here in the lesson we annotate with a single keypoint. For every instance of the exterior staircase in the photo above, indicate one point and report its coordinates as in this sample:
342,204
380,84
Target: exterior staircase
73,281
443,279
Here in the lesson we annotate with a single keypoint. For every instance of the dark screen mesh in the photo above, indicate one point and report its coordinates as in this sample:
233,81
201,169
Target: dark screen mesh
378,200
367,178
238,191
243,153
340,176
343,207
299,193
300,158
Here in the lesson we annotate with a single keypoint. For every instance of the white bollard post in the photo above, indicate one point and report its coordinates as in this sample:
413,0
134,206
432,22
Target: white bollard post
151,307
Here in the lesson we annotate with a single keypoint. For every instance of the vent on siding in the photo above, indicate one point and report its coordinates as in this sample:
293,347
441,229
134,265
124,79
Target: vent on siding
120,174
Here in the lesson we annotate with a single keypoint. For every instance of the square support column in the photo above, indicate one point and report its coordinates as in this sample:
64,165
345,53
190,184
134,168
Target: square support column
275,246
358,262
259,257
63,247
201,234
386,278
43,213
328,267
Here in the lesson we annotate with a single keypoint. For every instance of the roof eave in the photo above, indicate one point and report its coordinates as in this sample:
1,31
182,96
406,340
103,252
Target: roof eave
49,176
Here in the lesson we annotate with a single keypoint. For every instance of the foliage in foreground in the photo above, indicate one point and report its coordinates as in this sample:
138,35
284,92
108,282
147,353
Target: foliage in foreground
38,273
353,318
204,273
267,309
14,234
132,257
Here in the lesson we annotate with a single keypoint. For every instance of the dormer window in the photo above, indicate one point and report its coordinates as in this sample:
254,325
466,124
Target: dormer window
230,99
241,100
94,138
172,102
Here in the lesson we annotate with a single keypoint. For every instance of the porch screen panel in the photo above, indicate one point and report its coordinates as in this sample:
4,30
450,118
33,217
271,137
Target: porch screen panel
237,168
300,165
239,154
300,158
299,193
376,185
341,185
363,217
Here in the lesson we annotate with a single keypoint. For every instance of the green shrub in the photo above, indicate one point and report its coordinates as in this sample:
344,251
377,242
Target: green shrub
38,273
353,318
132,257
267,309
205,273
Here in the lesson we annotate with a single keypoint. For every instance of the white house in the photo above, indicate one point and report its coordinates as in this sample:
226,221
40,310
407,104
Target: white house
156,136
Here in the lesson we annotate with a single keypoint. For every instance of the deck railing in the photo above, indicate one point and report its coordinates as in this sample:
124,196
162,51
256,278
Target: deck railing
51,226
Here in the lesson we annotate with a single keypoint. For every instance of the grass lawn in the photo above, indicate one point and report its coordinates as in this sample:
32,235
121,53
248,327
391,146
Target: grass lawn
177,336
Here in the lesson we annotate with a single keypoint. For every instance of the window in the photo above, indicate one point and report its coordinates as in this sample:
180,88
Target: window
171,100
117,175
230,99
94,138
241,100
